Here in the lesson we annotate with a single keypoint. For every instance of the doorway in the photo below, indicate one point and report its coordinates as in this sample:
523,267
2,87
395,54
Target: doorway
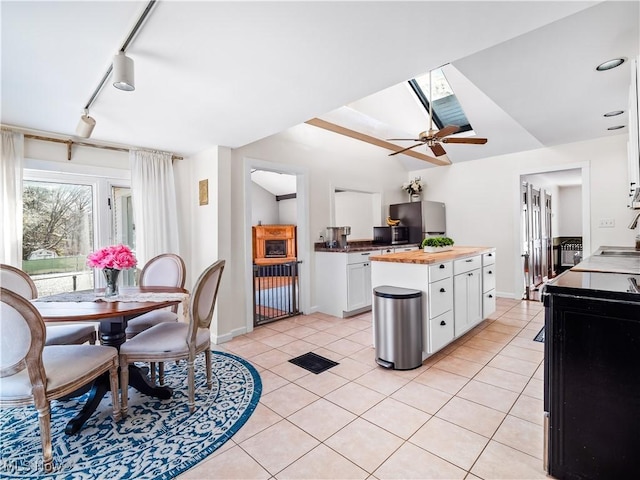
553,211
276,194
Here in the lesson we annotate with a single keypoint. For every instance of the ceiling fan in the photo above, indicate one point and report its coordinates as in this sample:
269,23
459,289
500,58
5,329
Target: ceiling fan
432,138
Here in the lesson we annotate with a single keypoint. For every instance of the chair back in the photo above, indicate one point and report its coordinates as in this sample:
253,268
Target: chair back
23,347
203,301
165,270
17,281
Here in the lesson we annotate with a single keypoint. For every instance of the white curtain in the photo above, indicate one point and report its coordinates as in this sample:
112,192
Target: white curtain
11,155
154,204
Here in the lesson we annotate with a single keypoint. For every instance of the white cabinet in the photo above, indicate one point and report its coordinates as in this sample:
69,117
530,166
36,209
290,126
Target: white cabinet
358,286
343,282
439,306
467,296
488,284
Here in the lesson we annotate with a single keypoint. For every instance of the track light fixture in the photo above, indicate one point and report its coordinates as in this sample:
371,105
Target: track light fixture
123,74
85,125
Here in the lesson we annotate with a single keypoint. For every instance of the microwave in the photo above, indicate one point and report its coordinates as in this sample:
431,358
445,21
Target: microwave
390,235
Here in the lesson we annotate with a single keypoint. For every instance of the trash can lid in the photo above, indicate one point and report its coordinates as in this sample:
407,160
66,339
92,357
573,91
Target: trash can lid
387,291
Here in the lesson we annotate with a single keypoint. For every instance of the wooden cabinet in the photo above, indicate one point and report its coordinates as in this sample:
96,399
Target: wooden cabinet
274,244
467,296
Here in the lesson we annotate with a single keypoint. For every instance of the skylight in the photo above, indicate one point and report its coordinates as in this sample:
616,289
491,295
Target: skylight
446,108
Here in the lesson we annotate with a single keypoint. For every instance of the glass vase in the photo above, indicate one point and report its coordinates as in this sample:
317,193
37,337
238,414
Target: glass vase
111,278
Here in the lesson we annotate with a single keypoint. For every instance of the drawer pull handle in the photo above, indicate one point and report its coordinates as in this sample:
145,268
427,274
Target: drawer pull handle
366,253
490,272
470,274
489,254
441,266
366,265
490,296
443,323
469,260
442,290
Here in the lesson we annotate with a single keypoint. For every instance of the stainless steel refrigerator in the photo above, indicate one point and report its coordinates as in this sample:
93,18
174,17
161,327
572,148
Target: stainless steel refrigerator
424,219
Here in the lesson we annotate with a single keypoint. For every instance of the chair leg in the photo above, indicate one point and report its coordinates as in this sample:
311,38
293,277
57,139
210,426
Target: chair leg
161,372
207,358
152,372
124,385
113,380
44,419
191,402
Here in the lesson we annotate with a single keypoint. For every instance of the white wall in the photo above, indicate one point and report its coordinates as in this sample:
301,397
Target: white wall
264,208
482,198
355,209
288,211
569,211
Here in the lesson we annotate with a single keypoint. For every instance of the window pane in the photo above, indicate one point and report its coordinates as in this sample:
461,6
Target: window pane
446,108
57,236
123,228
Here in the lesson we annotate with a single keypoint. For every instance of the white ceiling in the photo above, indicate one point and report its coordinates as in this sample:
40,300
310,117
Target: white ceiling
231,73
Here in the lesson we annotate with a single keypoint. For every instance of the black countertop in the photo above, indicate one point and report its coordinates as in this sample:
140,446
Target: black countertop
613,286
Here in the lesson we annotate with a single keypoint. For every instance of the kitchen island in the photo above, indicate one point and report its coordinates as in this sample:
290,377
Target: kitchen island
458,288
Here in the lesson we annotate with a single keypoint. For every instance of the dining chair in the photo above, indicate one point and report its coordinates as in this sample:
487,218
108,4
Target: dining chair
34,374
19,282
175,341
164,270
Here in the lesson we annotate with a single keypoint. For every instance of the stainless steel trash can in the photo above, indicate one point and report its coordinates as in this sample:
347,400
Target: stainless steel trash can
397,318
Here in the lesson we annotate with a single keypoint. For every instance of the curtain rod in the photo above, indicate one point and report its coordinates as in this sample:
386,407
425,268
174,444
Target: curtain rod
69,143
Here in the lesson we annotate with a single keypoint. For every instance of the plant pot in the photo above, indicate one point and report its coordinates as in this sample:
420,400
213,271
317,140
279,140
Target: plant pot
416,197
437,249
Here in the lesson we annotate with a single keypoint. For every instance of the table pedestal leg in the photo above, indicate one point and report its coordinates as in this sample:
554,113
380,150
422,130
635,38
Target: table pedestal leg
112,333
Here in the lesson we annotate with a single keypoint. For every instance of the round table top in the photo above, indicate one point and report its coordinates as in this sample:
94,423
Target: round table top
55,311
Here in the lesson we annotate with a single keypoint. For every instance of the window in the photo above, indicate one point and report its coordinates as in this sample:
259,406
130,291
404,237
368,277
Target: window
65,217
446,108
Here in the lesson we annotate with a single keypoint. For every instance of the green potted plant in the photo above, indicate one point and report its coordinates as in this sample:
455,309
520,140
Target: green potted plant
437,244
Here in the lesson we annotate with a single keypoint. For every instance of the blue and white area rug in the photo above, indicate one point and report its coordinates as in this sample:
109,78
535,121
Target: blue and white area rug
157,440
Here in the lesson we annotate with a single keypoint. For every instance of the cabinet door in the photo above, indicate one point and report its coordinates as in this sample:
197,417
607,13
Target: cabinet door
467,298
358,285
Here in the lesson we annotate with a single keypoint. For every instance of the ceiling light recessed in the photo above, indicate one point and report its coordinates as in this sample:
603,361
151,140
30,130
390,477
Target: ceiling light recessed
609,64
614,113
617,127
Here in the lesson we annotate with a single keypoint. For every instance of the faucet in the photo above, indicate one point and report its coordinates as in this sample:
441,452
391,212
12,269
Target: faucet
633,225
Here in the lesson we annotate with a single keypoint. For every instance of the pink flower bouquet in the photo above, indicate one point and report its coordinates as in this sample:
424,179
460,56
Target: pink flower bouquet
118,257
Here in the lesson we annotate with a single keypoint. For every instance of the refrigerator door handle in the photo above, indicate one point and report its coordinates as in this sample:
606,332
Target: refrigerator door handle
545,443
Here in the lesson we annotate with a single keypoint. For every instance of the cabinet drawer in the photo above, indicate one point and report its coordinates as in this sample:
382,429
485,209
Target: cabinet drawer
488,278
438,271
440,331
466,264
488,303
440,298
360,257
489,258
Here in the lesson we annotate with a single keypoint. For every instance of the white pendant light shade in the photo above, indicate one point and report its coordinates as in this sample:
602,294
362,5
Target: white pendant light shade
123,74
85,126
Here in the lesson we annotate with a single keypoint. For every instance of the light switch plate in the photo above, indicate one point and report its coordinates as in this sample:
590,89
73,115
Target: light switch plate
607,223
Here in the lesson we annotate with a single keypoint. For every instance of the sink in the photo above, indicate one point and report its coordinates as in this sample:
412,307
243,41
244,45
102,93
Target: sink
619,253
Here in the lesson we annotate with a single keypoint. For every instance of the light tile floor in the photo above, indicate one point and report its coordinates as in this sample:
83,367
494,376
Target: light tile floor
473,410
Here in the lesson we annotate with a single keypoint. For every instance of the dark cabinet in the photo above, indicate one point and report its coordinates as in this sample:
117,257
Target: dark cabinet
592,383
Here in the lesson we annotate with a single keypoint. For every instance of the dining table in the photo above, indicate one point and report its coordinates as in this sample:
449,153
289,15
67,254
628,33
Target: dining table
112,314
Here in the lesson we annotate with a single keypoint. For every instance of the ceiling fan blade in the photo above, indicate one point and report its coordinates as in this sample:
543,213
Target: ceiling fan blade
405,149
476,141
437,150
448,130
403,139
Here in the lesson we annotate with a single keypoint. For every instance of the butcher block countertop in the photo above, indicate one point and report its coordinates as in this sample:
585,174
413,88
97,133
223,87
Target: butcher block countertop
420,257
